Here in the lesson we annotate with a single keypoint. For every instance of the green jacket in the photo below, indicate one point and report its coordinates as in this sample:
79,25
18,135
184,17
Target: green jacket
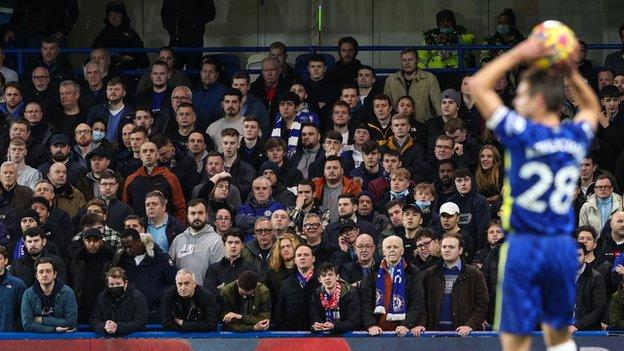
443,59
259,309
616,309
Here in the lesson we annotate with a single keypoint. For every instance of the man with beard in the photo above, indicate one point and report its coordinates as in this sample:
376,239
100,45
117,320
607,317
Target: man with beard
66,117
367,211
199,245
13,106
345,70
121,309
231,104
444,186
332,185
347,210
157,98
89,260
341,118
89,185
178,162
113,112
49,306
304,204
308,153
40,89
215,166
35,248
93,89
209,94
421,85
84,143
187,306
61,152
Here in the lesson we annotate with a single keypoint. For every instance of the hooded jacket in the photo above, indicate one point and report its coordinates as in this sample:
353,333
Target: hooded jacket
259,307
155,273
474,215
122,36
130,312
139,183
197,251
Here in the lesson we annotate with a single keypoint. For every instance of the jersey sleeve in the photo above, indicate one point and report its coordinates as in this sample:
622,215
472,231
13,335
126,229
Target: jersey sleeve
507,124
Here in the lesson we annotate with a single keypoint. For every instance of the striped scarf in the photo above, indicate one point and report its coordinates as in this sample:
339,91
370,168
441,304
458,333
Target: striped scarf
294,132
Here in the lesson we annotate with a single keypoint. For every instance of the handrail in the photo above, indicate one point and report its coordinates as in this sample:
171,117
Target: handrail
272,334
21,53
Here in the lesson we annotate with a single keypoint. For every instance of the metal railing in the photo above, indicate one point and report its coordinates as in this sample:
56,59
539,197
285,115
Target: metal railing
462,50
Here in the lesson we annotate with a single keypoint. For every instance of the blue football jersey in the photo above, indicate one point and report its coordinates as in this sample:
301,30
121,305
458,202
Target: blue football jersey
542,171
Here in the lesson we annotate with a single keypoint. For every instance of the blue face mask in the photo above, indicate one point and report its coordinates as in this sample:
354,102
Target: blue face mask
503,29
98,135
423,204
446,30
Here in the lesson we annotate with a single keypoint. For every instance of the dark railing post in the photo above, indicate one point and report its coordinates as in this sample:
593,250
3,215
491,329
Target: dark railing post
21,62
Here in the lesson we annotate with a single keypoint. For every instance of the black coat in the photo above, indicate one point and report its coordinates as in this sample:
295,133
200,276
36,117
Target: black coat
24,269
184,167
200,315
352,272
225,272
331,232
414,296
122,36
116,213
44,17
348,305
591,300
185,20
292,303
129,312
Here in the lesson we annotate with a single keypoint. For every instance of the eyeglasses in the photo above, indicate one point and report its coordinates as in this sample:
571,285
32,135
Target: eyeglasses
311,225
424,244
603,187
221,218
362,247
263,231
83,132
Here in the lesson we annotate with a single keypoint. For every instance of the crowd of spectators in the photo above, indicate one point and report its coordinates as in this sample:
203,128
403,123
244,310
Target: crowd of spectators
327,203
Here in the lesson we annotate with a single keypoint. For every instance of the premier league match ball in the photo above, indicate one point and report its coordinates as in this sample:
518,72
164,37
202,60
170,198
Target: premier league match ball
558,36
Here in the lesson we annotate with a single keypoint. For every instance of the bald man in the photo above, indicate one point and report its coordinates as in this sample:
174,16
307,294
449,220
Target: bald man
394,279
66,196
364,268
153,177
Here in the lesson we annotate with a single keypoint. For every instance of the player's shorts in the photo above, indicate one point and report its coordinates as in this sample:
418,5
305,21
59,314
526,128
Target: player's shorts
536,283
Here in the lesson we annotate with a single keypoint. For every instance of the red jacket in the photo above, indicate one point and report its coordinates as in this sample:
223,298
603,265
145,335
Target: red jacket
348,186
139,183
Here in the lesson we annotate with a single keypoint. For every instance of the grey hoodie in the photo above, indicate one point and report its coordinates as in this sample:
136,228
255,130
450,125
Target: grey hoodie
197,251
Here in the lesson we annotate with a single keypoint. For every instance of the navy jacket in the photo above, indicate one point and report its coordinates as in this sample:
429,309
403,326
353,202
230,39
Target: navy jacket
11,291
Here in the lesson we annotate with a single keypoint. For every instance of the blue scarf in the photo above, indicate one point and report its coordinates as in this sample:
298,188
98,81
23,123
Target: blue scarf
604,207
398,305
294,133
303,280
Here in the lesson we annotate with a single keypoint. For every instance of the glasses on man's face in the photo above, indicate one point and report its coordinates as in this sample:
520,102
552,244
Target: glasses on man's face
222,218
180,98
83,132
603,187
364,247
423,244
443,147
311,225
263,232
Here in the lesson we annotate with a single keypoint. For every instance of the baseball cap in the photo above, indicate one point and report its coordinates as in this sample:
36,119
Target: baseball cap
59,139
451,94
93,232
449,208
348,224
413,208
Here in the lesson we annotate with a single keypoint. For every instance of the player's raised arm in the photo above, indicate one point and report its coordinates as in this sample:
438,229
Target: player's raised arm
482,83
589,108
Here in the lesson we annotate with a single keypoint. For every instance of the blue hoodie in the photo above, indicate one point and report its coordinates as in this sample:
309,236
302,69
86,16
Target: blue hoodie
11,291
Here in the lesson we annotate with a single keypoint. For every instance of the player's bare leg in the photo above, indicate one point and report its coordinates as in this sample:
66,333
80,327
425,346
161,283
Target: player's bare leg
558,339
515,342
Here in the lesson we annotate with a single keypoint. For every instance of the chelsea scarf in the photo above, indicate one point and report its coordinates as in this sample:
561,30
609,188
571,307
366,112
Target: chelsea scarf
398,305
